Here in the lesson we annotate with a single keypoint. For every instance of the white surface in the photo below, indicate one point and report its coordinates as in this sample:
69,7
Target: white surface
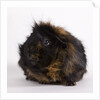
76,20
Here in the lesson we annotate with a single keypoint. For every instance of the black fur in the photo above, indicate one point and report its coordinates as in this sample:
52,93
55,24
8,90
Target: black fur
52,55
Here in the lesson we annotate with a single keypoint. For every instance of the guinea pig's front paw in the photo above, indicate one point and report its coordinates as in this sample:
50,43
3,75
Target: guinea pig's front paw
30,78
70,83
27,78
41,82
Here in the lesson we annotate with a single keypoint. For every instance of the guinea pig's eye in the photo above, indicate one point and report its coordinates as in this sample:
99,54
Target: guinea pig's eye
46,42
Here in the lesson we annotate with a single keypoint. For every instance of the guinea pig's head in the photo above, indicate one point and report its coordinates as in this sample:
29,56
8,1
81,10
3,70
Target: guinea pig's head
43,46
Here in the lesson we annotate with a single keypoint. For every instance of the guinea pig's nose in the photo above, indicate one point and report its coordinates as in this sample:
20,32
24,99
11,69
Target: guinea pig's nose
33,61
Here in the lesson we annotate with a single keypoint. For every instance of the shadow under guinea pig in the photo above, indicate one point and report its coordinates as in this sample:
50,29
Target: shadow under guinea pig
51,55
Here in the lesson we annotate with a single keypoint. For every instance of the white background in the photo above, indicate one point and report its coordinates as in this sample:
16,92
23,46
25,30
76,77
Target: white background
77,20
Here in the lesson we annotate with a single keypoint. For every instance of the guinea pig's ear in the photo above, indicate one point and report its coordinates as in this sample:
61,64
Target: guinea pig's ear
63,43
36,31
35,27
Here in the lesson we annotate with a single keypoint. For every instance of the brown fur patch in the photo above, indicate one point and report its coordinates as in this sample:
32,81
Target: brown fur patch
54,75
40,77
47,23
71,49
36,56
39,46
70,68
61,31
58,29
53,71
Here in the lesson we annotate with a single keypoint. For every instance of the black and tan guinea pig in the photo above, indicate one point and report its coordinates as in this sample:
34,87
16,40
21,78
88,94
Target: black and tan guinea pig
51,55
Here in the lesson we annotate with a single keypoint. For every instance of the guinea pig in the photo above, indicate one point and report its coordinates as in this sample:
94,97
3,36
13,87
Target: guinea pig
52,55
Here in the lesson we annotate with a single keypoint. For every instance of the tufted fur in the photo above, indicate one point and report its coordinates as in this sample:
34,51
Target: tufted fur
61,61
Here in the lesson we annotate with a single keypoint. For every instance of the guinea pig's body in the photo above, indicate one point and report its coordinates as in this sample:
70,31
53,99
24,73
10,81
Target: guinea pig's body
51,55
